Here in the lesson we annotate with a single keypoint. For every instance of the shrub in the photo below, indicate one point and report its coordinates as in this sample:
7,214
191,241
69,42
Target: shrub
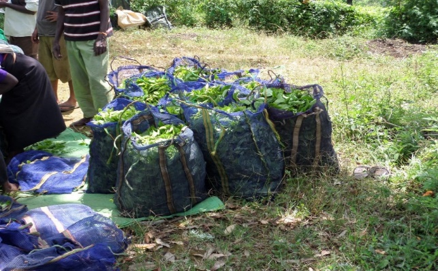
318,19
413,20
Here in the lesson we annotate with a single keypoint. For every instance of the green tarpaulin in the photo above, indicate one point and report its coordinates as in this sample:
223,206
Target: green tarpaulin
103,204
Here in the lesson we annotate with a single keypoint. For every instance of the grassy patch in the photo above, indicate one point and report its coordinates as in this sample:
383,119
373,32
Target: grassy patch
384,113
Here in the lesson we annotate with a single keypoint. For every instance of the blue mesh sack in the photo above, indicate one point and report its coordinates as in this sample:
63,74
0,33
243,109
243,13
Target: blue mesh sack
71,236
148,87
191,69
50,220
15,240
7,254
10,209
66,256
243,155
305,135
42,172
17,235
232,76
118,76
209,94
162,177
105,144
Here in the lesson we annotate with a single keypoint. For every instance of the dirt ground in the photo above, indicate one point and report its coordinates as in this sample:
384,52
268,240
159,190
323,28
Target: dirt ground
395,47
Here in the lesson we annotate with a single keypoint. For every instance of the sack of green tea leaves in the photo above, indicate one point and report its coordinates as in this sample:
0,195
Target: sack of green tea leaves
105,145
188,69
191,69
161,169
303,123
243,154
205,93
149,87
117,78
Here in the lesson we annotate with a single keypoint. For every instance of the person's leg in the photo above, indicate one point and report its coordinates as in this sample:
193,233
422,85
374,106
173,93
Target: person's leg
25,43
45,57
79,77
54,84
97,69
62,71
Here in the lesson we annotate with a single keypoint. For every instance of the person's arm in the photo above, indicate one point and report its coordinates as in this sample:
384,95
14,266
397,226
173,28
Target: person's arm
7,81
20,6
59,31
100,45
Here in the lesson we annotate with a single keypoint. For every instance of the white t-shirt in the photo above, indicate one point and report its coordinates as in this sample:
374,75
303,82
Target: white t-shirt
18,24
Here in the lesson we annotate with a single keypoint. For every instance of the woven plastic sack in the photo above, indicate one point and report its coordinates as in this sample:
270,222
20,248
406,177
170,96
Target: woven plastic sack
105,148
306,136
161,178
243,155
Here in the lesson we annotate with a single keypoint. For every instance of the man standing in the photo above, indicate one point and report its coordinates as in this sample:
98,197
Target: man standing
57,69
86,27
20,18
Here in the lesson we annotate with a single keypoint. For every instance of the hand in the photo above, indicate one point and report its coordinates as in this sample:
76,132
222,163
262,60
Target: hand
51,16
10,187
35,38
56,50
100,46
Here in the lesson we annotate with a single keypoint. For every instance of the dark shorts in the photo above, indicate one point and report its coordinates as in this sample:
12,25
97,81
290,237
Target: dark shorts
25,43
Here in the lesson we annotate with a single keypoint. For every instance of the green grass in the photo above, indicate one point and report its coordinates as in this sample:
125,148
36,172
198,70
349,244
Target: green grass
384,113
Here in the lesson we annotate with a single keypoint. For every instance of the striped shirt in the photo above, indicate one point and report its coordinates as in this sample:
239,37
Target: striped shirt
82,19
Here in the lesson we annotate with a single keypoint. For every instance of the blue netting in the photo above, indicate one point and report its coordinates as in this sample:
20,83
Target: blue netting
10,209
67,256
43,172
160,178
104,149
306,136
242,152
61,237
15,235
116,78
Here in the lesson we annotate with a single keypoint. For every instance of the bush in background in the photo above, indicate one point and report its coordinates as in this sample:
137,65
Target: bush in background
318,19
413,20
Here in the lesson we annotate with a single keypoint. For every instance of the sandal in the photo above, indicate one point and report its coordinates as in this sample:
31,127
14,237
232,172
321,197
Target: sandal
64,107
375,172
80,123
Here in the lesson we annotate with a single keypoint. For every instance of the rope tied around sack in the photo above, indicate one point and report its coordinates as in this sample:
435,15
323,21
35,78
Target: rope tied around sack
189,175
296,137
211,145
166,177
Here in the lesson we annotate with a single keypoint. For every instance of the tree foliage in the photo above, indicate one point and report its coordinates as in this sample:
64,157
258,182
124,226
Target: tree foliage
413,20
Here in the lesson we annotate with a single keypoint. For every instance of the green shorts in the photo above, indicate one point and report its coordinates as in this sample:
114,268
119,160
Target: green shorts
55,68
